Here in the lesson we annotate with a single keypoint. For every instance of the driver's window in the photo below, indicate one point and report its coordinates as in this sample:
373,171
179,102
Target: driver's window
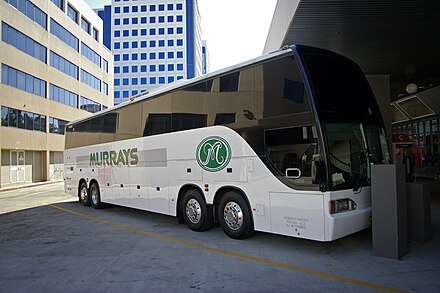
293,148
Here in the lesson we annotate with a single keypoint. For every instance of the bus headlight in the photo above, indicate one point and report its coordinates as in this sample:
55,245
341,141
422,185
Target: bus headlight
342,205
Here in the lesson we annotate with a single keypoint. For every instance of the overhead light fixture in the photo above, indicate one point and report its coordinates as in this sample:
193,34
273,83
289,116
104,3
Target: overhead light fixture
411,88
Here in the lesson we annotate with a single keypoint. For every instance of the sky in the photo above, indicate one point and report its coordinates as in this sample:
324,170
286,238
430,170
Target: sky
235,30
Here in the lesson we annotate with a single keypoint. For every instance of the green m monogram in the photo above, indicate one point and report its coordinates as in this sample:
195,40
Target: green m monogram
213,153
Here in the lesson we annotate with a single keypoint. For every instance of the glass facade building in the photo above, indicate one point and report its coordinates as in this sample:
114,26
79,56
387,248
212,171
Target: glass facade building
154,43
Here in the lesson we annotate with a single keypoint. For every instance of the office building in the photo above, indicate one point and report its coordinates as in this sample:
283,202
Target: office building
154,43
54,69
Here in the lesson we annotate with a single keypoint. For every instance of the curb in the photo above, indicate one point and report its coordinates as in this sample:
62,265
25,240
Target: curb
7,188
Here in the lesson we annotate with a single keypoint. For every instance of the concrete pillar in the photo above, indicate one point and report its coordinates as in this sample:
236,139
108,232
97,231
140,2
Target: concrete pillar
389,211
46,162
380,84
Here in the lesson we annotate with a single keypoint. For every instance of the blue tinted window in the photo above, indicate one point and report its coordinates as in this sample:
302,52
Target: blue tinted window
170,6
117,21
134,56
143,8
27,45
170,79
143,20
161,55
30,10
72,13
152,19
134,33
85,25
126,9
143,68
134,20
179,77
170,67
64,35
152,80
161,80
125,94
117,81
152,55
152,68
64,96
23,81
179,6
143,56
117,69
117,34
117,94
143,32
57,126
125,33
125,45
161,31
161,43
170,43
117,57
161,67
90,80
180,54
179,42
126,20
134,68
179,66
143,44
143,80
89,105
134,81
170,18
117,9
179,18
134,45
134,9
161,7
125,81
152,44
170,30
134,93
152,31
117,45
125,57
161,19
125,69
179,30
63,65
152,7
90,54
170,54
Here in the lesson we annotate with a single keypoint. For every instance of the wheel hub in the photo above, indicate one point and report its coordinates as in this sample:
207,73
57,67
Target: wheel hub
83,194
233,215
94,195
193,211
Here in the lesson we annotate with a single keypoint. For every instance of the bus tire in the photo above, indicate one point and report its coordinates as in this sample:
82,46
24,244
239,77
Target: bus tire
95,196
234,216
83,194
197,214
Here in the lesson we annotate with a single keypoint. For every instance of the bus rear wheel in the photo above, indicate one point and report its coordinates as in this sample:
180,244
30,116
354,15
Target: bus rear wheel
83,194
197,215
95,196
234,216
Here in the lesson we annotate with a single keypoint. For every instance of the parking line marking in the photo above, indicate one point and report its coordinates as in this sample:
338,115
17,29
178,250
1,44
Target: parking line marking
237,255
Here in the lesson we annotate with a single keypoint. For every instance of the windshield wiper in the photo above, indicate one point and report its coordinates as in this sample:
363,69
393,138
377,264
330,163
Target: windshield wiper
363,155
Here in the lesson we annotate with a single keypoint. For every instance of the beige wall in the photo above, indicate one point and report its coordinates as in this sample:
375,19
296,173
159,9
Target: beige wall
38,143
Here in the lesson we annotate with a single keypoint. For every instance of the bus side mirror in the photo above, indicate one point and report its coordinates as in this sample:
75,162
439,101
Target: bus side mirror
318,172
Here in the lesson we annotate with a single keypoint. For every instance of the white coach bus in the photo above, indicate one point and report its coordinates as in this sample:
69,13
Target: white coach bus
280,144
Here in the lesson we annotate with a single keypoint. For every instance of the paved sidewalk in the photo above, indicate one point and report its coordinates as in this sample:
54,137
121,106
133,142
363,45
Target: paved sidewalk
27,185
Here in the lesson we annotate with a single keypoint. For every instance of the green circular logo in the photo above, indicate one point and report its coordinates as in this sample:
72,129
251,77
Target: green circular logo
213,153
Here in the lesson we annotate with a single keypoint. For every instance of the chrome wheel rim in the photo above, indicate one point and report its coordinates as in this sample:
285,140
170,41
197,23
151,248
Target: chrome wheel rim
83,194
193,211
233,215
94,195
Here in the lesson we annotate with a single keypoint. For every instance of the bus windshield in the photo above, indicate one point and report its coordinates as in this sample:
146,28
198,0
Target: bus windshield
352,148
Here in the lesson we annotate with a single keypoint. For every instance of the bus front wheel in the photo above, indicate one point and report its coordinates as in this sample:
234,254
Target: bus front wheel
83,195
95,196
234,216
197,215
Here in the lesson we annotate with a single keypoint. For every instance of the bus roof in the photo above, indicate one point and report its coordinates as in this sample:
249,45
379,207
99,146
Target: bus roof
185,82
